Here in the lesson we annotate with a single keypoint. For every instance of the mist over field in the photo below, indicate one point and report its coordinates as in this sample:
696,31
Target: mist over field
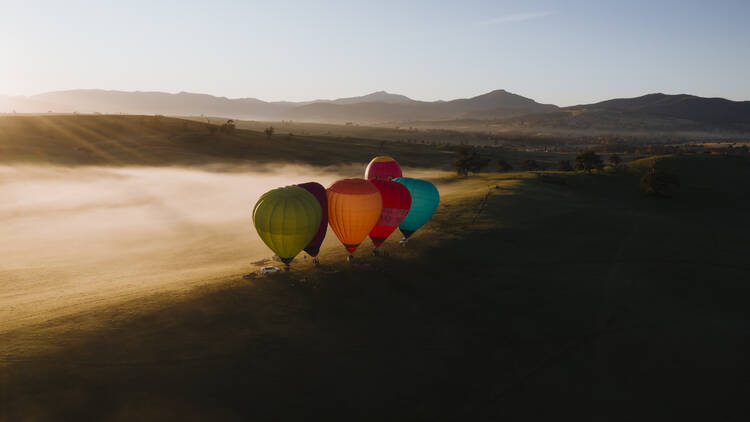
80,238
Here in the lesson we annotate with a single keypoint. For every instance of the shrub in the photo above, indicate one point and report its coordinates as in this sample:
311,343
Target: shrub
228,127
469,160
587,161
659,183
565,165
530,165
503,166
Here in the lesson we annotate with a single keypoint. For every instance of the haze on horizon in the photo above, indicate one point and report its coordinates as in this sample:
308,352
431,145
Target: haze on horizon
563,53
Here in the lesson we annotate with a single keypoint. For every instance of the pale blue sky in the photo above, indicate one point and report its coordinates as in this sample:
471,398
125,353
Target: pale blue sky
565,52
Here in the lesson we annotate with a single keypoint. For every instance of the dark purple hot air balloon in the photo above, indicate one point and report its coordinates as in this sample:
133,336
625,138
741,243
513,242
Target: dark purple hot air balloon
319,192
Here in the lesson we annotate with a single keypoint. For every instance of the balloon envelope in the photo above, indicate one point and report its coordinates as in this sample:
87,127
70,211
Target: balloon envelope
396,204
354,207
286,220
319,192
424,201
382,168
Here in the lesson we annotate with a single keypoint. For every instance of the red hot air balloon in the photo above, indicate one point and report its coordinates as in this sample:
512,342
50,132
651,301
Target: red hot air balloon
396,204
319,192
382,168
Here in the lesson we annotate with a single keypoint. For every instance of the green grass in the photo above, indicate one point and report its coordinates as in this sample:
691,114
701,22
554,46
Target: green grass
583,299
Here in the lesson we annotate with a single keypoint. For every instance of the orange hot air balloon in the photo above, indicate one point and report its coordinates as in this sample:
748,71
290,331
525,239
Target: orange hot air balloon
396,204
354,206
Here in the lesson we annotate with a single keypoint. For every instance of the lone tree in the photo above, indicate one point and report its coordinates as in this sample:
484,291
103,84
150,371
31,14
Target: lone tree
228,127
565,165
530,165
659,183
615,160
587,161
503,166
269,131
469,161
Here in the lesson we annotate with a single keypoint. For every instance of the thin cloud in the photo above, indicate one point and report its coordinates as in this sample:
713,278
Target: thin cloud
515,17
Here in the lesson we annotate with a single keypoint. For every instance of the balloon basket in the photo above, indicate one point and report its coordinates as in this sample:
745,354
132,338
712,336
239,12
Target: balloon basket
350,258
316,262
286,267
403,241
375,252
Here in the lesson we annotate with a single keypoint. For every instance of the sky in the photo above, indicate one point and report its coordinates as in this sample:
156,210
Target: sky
560,52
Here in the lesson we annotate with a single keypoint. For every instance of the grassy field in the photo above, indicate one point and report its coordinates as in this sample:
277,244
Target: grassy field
117,140
521,299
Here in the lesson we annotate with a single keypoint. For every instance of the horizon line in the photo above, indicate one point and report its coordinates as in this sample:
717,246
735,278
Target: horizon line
355,96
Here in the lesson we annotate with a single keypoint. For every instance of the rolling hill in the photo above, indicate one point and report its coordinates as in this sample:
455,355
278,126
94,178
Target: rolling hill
128,140
675,114
183,103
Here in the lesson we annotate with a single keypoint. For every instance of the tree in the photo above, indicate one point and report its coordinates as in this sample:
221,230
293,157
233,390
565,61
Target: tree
659,183
469,161
565,165
588,161
530,165
228,127
268,131
503,166
615,160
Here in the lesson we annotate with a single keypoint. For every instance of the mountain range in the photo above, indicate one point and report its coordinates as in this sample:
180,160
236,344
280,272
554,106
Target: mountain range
381,107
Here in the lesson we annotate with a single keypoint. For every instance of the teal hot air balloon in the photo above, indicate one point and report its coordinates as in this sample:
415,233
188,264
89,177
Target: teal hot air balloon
424,201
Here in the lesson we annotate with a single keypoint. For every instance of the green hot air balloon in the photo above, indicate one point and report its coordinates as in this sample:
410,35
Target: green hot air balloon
287,219
424,201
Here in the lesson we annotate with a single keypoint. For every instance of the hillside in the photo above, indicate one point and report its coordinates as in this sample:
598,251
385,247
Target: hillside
587,297
687,107
155,141
183,103
375,97
652,115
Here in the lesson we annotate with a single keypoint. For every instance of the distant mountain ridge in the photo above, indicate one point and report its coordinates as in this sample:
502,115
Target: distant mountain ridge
682,106
375,97
378,106
658,110
494,104
150,102
648,113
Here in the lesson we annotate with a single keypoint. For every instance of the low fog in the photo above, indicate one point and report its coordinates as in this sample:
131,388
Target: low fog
73,239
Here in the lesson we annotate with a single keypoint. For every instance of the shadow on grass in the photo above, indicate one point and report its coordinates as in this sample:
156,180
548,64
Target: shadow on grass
559,299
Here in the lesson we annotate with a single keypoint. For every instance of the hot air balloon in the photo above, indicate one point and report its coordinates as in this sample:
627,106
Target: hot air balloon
382,168
424,201
354,207
286,220
319,192
396,204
